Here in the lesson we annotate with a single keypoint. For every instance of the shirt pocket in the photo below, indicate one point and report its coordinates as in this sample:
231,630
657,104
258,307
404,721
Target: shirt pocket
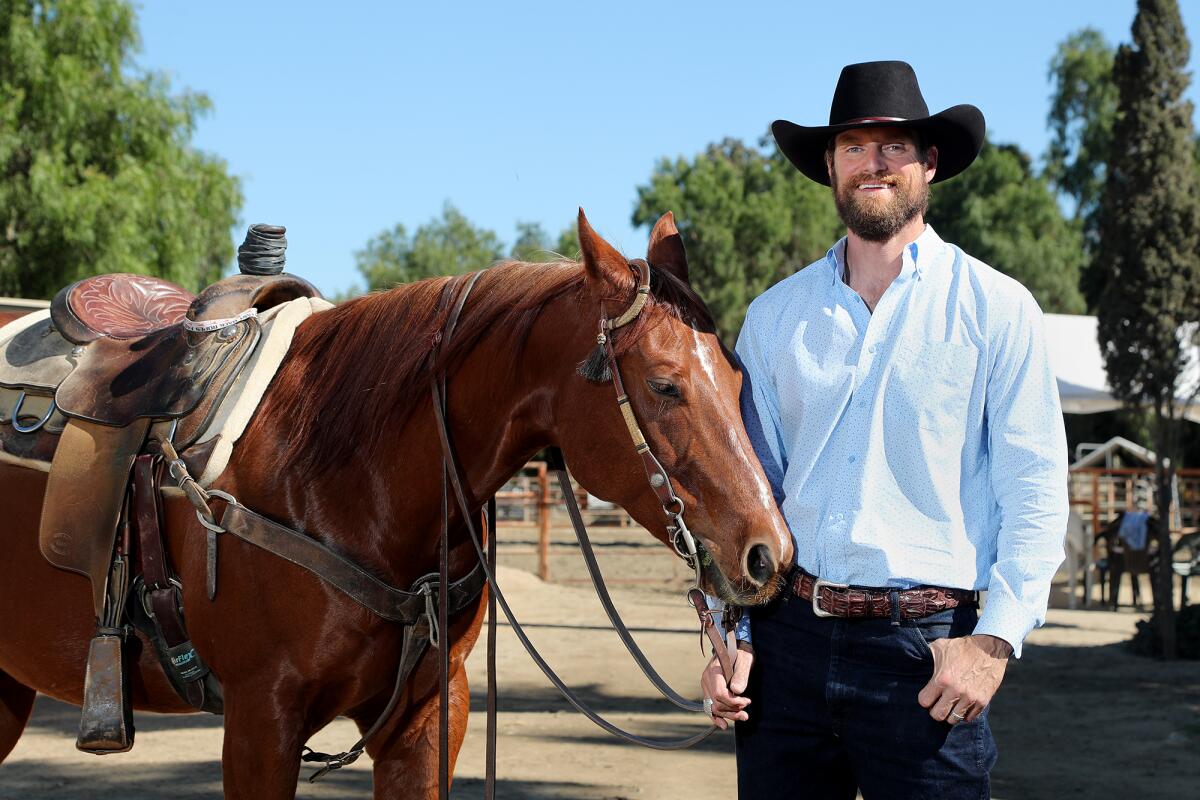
931,385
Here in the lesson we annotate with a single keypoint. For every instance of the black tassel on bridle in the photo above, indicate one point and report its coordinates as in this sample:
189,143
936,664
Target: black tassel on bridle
597,367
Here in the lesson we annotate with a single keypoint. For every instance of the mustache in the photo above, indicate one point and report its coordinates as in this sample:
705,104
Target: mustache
889,178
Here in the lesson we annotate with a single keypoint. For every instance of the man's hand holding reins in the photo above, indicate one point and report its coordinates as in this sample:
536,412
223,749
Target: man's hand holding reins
966,674
728,701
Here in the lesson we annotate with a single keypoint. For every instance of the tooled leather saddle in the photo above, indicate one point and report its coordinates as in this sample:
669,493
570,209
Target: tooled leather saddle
115,356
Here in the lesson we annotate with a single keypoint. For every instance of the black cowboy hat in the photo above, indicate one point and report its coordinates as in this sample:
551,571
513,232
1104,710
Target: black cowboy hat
884,93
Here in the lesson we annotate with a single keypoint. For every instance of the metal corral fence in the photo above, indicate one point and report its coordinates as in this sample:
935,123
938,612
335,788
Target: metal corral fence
1099,494
532,520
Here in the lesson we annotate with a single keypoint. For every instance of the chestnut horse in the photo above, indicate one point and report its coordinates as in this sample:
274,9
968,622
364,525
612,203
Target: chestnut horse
344,447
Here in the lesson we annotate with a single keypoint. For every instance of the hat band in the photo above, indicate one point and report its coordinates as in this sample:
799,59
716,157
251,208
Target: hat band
874,119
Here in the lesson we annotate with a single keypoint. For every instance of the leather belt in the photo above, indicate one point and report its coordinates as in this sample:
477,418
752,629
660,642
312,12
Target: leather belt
840,600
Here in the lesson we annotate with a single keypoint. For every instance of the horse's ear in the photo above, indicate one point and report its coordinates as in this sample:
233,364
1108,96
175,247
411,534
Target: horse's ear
666,247
608,273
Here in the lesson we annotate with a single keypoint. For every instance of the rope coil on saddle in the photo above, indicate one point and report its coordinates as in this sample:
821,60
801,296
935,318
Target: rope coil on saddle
264,252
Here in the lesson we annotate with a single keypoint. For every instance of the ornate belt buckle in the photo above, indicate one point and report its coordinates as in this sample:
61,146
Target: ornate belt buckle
816,596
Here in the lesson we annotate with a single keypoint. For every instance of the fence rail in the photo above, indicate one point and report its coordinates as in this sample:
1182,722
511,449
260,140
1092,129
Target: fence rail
532,499
1099,494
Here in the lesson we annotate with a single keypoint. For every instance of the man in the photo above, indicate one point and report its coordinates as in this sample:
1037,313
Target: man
900,399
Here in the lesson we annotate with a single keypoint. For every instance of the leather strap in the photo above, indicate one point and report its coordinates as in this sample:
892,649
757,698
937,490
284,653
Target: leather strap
489,780
444,565
388,602
163,596
443,647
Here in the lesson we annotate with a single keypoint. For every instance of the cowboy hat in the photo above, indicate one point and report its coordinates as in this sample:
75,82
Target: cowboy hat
877,94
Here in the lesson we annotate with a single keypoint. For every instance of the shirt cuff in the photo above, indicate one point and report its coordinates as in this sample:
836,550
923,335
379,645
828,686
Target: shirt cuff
1005,619
742,629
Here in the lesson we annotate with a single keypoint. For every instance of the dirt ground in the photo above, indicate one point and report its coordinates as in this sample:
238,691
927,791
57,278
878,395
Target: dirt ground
1077,716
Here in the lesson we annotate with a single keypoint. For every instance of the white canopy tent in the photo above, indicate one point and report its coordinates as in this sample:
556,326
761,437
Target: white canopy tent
1077,362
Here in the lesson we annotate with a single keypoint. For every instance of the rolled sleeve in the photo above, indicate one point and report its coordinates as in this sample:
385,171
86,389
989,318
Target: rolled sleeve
1028,473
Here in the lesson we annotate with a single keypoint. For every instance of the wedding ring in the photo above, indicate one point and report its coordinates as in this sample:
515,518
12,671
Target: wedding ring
708,706
956,716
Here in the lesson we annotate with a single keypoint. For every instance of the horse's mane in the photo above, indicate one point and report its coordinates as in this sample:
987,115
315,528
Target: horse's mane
356,372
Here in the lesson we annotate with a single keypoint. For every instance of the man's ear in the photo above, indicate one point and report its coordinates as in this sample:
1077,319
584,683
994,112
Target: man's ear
931,160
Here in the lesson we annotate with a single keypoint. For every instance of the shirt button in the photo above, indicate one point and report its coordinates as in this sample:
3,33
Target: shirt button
871,349
851,459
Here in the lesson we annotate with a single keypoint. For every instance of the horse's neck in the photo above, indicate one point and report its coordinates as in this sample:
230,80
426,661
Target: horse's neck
498,415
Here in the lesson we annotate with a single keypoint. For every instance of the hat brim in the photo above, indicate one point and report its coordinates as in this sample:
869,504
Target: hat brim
958,133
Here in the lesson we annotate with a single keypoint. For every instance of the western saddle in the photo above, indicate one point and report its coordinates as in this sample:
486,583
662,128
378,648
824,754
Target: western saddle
116,357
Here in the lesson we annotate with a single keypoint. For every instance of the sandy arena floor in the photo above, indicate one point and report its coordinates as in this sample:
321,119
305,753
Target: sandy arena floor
1076,717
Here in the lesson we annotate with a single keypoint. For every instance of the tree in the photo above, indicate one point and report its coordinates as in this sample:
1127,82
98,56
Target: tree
534,245
747,219
1149,254
1083,106
97,173
1001,213
449,245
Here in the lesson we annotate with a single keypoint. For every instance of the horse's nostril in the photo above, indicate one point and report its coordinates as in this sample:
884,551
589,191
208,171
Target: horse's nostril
759,565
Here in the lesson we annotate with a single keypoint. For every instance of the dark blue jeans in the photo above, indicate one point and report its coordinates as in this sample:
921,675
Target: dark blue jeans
834,709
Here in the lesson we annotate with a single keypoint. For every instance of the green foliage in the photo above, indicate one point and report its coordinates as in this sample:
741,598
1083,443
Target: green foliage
1083,106
449,245
747,219
98,173
1001,213
1149,259
568,242
534,245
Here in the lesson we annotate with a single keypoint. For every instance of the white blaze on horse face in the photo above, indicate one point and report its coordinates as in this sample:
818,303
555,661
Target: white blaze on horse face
704,355
738,443
754,468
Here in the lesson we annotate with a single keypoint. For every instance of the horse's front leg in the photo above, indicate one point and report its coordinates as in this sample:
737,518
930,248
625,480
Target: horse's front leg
405,752
406,760
264,732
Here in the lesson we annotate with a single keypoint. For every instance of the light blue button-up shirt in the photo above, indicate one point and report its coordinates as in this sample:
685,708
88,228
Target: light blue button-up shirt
922,444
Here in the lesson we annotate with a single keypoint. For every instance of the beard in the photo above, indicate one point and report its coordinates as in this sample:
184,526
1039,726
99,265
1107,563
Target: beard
876,219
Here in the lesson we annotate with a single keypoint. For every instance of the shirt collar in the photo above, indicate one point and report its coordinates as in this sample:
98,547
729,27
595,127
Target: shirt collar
918,256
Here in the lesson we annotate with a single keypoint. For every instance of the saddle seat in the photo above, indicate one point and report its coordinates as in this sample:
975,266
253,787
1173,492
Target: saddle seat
122,306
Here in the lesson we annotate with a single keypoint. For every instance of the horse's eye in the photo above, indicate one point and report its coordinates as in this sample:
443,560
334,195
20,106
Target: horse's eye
664,388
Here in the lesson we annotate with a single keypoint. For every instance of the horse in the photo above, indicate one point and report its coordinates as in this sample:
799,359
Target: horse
343,447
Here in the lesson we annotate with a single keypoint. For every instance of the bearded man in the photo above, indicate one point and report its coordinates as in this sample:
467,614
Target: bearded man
899,396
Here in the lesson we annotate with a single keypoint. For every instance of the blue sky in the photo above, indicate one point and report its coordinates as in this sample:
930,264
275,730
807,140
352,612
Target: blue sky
344,119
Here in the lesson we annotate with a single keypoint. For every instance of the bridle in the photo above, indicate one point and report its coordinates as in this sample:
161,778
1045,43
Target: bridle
680,536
